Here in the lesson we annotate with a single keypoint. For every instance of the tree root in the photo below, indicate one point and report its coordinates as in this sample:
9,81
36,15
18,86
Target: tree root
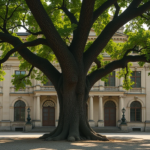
73,138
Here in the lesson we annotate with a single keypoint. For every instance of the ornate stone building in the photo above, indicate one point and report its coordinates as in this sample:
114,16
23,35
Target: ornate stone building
104,107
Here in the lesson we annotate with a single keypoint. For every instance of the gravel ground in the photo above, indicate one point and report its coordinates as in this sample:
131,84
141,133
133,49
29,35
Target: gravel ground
28,141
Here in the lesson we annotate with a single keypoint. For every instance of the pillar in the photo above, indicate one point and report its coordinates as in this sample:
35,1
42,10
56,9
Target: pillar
121,84
100,112
121,106
38,120
102,83
57,112
91,121
35,111
38,108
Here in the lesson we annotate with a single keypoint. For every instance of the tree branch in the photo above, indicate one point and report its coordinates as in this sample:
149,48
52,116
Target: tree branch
33,33
83,29
2,18
117,10
95,49
58,46
50,71
129,50
7,9
13,12
134,50
69,14
98,63
142,16
1,41
102,8
5,20
122,63
28,73
21,46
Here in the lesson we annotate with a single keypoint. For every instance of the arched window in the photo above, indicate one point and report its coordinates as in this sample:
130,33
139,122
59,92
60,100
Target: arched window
135,111
19,111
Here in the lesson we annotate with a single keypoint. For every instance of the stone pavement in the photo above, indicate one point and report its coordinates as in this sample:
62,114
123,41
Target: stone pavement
118,141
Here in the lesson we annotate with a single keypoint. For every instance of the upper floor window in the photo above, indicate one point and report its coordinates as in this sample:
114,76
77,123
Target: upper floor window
19,111
48,83
135,111
17,72
111,80
136,78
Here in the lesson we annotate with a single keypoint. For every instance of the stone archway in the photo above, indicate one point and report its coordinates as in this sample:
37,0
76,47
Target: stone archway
48,113
110,113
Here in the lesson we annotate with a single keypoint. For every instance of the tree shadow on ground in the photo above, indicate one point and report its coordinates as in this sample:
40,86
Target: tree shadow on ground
37,144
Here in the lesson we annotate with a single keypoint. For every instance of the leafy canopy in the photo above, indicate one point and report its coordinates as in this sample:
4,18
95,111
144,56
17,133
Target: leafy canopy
17,14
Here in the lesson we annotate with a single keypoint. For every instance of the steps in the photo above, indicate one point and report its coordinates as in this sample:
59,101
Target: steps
96,129
108,130
43,129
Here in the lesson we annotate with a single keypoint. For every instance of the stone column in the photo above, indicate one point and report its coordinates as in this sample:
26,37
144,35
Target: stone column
38,108
35,111
121,106
57,112
121,84
102,85
91,121
100,113
38,118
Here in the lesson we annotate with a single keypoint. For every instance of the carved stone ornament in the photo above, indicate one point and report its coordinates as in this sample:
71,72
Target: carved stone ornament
19,97
135,98
147,67
49,104
6,67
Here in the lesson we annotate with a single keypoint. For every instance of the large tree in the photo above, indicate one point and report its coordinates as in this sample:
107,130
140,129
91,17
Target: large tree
51,24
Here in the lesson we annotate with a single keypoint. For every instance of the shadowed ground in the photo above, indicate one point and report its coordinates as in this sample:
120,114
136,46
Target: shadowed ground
128,141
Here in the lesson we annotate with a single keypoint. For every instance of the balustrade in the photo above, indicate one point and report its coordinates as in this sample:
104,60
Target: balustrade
94,88
47,88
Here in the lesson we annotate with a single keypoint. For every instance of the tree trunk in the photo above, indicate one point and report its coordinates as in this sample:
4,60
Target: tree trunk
73,124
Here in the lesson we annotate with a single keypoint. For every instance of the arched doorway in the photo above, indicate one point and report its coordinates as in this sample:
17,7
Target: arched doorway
48,113
110,114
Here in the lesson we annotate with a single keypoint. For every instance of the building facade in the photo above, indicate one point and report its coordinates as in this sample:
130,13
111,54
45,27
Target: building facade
104,107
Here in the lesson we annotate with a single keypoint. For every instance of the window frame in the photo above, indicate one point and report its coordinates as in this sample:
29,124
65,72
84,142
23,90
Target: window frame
135,77
20,74
135,109
109,77
20,110
20,71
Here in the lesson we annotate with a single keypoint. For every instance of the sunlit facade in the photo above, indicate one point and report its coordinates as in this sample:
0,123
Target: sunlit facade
104,107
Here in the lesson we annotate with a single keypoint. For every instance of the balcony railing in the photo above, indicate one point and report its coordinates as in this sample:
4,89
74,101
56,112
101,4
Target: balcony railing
94,88
111,88
137,90
26,90
47,88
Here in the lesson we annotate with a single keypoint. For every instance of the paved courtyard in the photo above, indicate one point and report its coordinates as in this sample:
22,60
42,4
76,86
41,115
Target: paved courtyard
118,141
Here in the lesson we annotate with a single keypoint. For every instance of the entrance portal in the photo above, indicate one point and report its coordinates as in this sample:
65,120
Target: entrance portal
49,113
110,114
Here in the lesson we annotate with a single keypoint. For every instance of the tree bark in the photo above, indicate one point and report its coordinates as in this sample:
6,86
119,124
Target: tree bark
73,123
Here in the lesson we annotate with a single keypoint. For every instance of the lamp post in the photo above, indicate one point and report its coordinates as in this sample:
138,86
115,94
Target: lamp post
123,120
28,118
